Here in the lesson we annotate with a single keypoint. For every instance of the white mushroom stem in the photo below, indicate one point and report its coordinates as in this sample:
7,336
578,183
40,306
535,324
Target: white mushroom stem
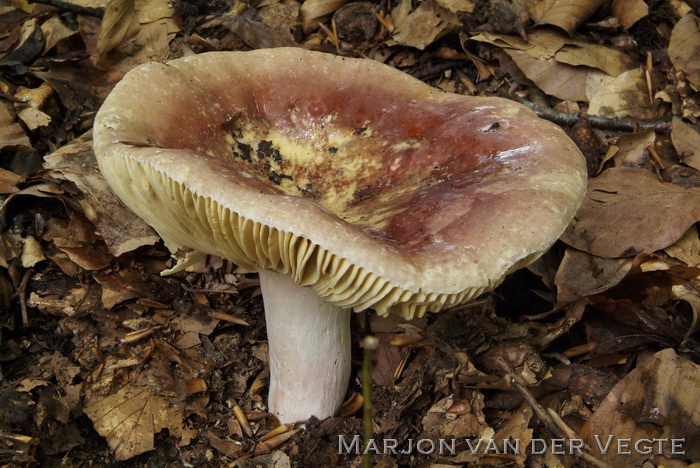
309,345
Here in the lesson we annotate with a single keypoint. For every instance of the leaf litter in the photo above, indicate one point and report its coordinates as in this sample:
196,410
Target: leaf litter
104,360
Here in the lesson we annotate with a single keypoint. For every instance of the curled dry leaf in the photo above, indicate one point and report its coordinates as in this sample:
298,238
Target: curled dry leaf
627,211
9,181
686,140
314,12
565,14
119,24
11,133
55,31
632,148
582,274
120,229
625,96
611,61
629,12
684,48
657,400
687,248
554,78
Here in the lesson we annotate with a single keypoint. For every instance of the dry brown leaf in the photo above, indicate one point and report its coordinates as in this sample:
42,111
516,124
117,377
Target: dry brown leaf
545,44
9,181
629,12
11,133
502,40
632,148
516,428
34,118
438,422
129,418
625,96
389,357
120,229
582,274
680,7
611,61
55,31
660,399
562,81
457,6
314,12
686,140
627,211
119,24
427,23
152,43
565,14
148,11
687,248
684,48
255,33
116,289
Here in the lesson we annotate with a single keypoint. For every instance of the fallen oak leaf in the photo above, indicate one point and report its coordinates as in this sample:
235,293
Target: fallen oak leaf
627,211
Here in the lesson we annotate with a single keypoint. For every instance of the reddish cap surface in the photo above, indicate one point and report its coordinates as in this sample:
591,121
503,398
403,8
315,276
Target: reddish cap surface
360,181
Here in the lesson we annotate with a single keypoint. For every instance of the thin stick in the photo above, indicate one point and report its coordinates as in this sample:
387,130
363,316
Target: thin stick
660,125
21,292
370,344
544,415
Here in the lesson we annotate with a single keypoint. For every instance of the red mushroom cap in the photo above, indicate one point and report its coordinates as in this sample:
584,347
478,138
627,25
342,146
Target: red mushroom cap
359,181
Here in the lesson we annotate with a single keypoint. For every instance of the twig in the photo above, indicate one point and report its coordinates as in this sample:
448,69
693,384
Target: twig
544,415
71,7
9,97
436,69
659,125
21,292
370,344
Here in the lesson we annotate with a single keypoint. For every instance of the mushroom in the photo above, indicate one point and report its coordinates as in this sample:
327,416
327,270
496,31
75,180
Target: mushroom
348,185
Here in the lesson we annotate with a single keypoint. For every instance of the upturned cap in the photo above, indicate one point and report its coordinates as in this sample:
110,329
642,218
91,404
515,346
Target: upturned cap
361,182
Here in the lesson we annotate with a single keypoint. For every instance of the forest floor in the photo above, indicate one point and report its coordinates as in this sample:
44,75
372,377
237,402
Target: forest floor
107,363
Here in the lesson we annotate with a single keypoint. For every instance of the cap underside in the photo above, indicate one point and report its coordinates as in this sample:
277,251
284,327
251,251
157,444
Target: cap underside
359,181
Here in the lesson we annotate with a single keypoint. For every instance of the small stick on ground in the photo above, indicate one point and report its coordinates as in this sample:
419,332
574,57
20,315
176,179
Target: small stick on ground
22,294
660,125
370,344
544,415
436,69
